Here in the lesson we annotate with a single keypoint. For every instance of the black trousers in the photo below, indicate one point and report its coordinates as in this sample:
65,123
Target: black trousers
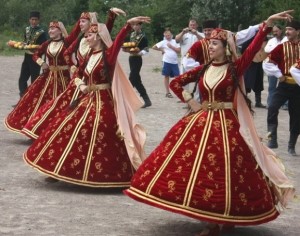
135,64
29,69
286,92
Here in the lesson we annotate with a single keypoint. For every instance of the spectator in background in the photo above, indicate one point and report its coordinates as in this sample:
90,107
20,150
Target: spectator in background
272,43
254,75
279,62
34,34
186,38
136,61
170,50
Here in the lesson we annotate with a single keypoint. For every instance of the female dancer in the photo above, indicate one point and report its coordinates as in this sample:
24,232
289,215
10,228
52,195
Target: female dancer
211,165
81,49
85,145
51,83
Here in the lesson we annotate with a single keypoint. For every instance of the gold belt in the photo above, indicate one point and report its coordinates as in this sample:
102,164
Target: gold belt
289,80
58,68
216,105
94,87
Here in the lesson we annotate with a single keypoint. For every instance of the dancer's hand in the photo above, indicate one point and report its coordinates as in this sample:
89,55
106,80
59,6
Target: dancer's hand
195,106
83,88
285,15
118,11
139,19
45,66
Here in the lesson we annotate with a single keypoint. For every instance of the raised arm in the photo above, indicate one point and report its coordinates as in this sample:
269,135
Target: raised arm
243,62
112,15
73,35
115,48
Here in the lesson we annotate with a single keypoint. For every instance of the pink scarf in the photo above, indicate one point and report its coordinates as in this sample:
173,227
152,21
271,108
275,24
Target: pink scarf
264,156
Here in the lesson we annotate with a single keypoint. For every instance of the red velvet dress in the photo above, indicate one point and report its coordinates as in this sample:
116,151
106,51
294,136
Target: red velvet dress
47,86
82,146
203,168
50,111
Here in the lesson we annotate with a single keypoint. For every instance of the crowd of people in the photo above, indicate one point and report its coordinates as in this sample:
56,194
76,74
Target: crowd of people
211,165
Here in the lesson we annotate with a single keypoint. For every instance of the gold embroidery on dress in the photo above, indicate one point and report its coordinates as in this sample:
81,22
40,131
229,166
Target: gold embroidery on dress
241,179
125,167
212,159
76,161
187,153
229,90
208,194
243,198
239,161
179,169
50,154
147,172
171,186
210,175
229,124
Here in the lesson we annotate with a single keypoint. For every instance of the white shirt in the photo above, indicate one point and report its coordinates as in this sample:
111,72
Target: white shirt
270,68
271,44
188,39
170,56
295,74
246,34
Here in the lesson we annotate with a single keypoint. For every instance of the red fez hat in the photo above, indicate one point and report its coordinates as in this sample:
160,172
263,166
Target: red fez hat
54,24
219,34
85,15
93,28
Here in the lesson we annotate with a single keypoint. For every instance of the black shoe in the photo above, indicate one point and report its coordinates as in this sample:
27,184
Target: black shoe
260,105
272,144
148,103
292,151
14,105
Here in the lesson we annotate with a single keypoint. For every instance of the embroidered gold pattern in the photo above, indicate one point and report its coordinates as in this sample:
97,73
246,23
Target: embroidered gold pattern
243,198
208,194
171,186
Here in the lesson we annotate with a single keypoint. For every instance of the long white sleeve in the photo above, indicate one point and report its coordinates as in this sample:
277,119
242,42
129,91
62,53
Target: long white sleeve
189,63
271,69
295,74
246,34
143,52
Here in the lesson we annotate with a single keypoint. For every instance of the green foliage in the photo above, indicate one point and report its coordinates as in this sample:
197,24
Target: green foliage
5,36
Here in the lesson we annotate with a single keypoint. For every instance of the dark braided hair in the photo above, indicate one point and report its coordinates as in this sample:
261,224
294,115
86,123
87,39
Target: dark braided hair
237,85
105,66
199,74
77,46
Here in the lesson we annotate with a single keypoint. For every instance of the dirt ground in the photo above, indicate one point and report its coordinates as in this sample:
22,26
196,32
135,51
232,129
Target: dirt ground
31,206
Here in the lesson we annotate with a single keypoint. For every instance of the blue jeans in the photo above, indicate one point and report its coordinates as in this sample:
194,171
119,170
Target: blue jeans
272,87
